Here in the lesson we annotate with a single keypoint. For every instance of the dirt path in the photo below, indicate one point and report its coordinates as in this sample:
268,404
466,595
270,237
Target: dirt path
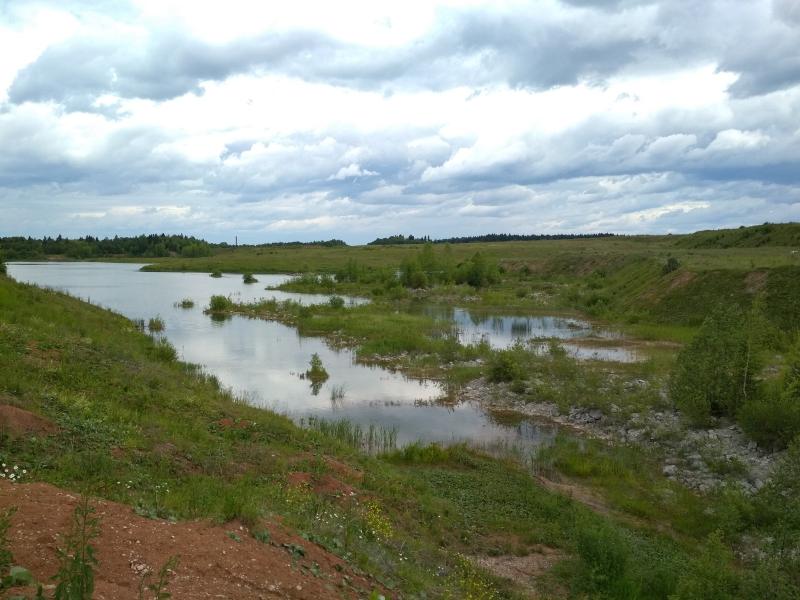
212,563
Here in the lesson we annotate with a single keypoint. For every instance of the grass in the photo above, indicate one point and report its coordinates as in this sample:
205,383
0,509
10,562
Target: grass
186,303
156,325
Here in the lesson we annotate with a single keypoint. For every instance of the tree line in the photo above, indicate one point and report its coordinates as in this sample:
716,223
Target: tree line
154,245
489,237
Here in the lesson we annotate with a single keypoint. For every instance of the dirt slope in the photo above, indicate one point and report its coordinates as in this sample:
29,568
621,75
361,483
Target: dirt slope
212,563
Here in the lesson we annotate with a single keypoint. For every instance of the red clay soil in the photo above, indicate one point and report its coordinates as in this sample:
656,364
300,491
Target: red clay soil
212,564
17,422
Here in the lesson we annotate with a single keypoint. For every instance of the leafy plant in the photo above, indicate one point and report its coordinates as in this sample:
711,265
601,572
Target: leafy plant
249,278
75,576
6,558
158,588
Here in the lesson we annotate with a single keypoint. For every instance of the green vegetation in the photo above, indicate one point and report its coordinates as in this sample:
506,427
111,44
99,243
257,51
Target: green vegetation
75,574
185,303
219,304
249,278
216,274
156,325
715,373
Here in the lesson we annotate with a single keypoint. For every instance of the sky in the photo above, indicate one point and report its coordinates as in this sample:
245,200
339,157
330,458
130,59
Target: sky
308,120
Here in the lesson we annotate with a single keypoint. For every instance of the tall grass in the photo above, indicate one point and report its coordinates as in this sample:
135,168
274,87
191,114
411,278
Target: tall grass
374,439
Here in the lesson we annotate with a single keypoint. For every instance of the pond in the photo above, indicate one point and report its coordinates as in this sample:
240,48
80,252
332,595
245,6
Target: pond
260,361
579,338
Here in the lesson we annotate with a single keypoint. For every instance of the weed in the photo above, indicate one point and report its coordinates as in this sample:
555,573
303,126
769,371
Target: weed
156,325
75,576
185,303
158,588
249,278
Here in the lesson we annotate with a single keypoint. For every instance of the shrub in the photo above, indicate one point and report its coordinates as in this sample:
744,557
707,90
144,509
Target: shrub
2,265
316,372
219,304
336,301
164,351
477,272
248,278
672,264
216,274
774,420
186,303
709,576
713,375
504,366
156,325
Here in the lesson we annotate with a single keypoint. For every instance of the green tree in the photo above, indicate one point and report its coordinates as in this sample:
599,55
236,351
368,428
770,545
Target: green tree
714,374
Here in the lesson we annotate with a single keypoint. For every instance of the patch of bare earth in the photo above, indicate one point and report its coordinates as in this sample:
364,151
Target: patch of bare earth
216,561
683,279
755,281
18,422
526,570
577,493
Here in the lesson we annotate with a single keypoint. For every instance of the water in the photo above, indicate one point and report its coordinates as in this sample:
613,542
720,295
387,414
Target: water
261,360
579,338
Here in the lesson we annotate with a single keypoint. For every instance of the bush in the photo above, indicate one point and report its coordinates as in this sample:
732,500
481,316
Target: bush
774,421
672,264
2,265
219,304
248,278
504,366
713,375
316,372
216,274
336,301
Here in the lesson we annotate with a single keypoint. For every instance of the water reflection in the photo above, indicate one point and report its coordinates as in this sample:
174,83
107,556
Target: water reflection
503,331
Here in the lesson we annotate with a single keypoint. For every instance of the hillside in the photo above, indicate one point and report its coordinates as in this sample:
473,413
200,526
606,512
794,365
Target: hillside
757,236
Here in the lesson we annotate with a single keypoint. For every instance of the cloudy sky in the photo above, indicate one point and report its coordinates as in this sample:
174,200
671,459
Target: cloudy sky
311,120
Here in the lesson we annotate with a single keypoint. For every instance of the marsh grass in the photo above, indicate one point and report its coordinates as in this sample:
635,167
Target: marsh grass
373,439
218,304
156,325
185,303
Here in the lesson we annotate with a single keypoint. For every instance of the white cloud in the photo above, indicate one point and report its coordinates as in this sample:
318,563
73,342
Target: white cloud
310,119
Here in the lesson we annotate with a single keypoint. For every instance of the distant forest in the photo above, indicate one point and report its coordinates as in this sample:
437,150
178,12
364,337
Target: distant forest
149,246
146,246
489,237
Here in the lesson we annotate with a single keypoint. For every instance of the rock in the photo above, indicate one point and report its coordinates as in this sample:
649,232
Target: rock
669,470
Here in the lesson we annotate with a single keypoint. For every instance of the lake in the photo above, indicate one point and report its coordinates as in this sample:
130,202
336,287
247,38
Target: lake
260,361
